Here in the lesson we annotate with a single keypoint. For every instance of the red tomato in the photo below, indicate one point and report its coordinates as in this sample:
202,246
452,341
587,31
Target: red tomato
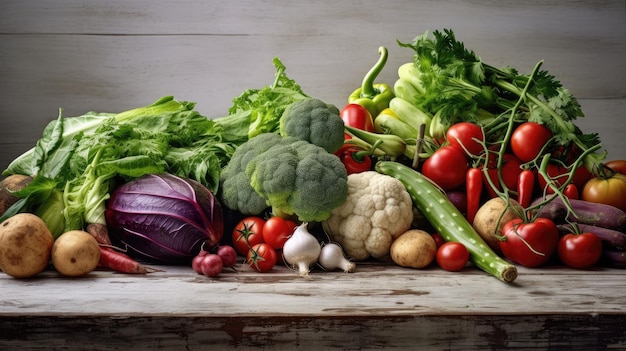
511,168
528,139
610,191
277,230
618,166
541,235
452,256
580,250
247,233
446,167
559,175
262,257
467,136
439,240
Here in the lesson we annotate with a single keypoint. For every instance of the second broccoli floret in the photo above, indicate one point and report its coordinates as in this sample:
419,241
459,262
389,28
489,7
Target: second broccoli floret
314,121
292,176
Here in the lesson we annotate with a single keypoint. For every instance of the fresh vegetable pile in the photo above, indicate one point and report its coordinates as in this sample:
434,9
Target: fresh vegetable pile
458,163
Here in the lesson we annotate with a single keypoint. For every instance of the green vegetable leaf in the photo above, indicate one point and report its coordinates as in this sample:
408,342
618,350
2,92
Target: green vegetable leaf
258,111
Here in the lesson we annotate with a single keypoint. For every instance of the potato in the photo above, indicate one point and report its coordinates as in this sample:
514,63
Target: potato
9,184
487,216
25,245
75,253
415,248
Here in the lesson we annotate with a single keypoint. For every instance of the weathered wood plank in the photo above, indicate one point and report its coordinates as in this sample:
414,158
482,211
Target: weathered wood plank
491,332
372,290
376,307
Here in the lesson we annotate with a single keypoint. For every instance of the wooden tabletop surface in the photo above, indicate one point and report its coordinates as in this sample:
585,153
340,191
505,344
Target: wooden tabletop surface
378,306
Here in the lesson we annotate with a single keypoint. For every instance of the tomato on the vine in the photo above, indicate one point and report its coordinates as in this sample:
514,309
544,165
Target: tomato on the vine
262,257
277,230
510,171
528,139
247,233
439,240
446,167
467,136
618,166
452,256
529,244
610,190
559,174
580,250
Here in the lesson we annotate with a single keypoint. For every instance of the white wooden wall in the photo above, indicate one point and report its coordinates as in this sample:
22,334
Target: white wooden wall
113,55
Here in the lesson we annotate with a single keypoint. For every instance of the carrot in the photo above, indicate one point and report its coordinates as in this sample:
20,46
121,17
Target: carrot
100,232
120,262
112,259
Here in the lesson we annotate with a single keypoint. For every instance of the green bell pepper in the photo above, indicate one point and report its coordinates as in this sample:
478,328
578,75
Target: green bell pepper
374,97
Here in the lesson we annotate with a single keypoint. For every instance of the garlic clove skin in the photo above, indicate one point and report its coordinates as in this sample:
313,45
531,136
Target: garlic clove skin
302,249
332,257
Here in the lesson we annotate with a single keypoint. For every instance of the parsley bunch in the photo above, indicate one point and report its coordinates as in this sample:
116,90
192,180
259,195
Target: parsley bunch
459,86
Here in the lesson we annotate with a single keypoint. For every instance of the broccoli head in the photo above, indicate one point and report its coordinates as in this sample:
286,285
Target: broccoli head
235,191
292,176
314,121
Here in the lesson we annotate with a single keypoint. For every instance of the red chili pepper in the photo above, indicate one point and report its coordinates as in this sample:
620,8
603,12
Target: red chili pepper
354,158
357,116
474,189
571,191
525,187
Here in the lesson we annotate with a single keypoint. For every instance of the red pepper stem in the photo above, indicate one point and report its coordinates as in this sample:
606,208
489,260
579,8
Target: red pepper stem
367,86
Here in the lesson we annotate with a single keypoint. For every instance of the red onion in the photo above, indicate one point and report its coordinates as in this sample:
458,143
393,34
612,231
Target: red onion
163,218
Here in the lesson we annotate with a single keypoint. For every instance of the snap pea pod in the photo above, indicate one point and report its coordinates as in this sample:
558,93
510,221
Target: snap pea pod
447,220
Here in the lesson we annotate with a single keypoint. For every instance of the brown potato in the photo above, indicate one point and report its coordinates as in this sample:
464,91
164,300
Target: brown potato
75,253
415,248
486,219
9,184
25,245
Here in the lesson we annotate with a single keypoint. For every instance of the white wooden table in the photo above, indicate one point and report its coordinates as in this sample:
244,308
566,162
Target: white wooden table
378,306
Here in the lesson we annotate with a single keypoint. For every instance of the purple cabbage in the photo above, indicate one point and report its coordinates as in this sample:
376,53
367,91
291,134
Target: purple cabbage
163,218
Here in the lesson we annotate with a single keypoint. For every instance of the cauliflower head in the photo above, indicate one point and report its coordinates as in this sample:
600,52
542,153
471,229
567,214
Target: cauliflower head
377,210
314,121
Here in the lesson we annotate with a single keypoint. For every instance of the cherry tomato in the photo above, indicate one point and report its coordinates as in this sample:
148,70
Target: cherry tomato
262,257
580,250
618,166
610,191
528,139
277,230
541,235
247,233
558,173
510,171
467,136
446,167
439,240
571,192
452,256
